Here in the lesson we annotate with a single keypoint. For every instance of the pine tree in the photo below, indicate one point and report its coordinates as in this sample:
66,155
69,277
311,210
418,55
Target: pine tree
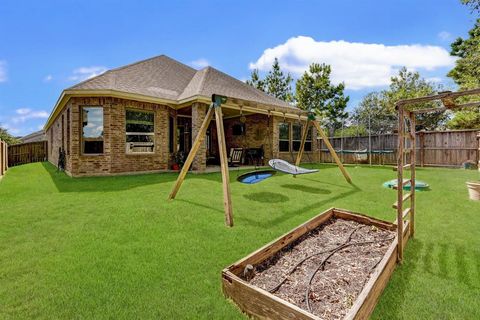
316,93
276,83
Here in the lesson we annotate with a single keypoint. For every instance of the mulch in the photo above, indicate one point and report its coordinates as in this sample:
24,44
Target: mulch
325,270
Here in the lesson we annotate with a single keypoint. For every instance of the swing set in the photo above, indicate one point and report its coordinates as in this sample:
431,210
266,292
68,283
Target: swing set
253,177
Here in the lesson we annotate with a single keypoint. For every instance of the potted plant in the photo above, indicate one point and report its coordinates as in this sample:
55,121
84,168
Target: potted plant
178,160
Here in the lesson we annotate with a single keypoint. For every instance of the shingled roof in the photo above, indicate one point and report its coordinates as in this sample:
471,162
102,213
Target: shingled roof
165,78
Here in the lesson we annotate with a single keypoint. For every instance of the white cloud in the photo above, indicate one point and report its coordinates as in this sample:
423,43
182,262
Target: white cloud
434,79
48,78
200,63
24,114
84,73
3,71
359,65
445,36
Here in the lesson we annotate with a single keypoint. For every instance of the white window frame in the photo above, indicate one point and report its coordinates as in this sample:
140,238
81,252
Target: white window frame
130,145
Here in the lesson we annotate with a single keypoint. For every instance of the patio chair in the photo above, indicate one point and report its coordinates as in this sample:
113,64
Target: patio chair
235,158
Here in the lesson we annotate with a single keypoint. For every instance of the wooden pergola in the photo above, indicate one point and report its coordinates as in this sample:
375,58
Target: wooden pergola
407,149
216,107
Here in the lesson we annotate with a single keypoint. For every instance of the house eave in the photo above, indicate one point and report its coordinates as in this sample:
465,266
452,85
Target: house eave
232,103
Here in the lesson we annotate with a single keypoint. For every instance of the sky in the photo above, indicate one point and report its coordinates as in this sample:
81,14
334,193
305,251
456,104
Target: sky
47,46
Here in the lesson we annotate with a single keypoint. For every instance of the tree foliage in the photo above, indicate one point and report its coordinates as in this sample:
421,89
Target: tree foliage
7,137
473,4
276,82
315,92
255,80
466,74
380,106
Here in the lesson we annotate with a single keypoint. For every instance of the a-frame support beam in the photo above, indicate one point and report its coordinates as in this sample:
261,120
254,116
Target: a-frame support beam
215,107
327,143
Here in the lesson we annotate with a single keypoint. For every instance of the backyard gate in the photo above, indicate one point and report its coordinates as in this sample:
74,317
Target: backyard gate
27,153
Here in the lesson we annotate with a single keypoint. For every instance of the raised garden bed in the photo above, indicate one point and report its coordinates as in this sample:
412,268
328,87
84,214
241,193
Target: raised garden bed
334,266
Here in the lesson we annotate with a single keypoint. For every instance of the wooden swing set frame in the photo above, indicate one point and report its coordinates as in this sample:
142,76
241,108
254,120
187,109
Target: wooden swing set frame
407,149
216,108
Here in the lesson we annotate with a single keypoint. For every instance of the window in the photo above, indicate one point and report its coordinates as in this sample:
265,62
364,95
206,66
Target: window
308,141
139,131
238,129
296,136
297,131
92,133
284,137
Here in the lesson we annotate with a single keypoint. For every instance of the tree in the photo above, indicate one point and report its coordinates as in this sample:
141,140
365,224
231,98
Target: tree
255,80
374,114
466,74
7,137
473,4
276,83
380,106
315,92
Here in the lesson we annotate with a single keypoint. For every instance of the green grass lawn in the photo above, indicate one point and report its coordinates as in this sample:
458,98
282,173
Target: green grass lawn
114,247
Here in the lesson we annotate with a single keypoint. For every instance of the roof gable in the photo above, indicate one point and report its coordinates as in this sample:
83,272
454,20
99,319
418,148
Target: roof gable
159,77
165,78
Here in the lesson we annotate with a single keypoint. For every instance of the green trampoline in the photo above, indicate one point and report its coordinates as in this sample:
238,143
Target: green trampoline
419,185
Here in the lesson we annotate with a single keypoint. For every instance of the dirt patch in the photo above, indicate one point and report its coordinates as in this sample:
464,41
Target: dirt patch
325,270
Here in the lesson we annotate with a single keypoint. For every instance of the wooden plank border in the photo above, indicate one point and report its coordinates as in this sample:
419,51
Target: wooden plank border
261,304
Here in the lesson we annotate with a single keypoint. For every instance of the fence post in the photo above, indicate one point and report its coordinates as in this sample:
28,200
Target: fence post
422,148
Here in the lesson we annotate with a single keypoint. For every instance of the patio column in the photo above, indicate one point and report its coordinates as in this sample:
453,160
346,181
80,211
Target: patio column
199,111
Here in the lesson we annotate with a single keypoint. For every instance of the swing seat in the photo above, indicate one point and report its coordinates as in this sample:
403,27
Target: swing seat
285,167
255,176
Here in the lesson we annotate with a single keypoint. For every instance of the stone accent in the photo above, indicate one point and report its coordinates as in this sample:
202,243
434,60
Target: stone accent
199,111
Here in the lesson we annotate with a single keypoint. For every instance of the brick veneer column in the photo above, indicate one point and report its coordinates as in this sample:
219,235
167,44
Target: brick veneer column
198,115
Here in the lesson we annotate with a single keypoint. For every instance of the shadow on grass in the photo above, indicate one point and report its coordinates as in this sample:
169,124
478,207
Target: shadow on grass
427,256
266,197
64,183
308,189
287,214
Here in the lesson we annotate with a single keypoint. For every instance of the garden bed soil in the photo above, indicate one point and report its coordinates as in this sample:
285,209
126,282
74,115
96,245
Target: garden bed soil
333,267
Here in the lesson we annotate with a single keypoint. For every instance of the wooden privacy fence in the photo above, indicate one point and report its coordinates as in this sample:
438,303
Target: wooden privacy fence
3,157
27,153
434,148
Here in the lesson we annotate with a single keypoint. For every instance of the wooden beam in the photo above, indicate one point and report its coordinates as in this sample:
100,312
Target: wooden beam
332,151
191,155
302,144
399,206
413,159
439,96
227,200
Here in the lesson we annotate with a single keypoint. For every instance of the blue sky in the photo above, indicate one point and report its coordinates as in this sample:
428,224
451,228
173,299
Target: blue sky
46,46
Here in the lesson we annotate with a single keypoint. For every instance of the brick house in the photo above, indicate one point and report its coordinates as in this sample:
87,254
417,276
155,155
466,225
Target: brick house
134,118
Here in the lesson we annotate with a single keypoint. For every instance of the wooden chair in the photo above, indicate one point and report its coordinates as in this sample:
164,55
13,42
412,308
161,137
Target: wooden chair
235,158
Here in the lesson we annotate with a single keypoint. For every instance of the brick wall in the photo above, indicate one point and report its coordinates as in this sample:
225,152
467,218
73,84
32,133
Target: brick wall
114,158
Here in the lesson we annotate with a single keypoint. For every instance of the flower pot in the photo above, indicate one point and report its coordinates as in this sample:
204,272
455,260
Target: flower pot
474,190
